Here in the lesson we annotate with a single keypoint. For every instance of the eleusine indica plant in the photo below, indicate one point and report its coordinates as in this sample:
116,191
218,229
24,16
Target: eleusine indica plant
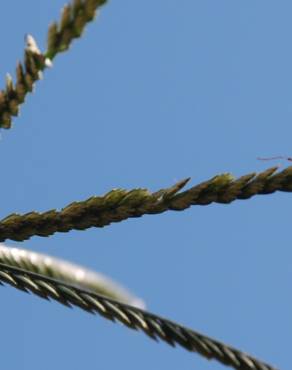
73,285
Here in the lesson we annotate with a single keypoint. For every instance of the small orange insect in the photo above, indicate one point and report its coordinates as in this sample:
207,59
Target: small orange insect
274,158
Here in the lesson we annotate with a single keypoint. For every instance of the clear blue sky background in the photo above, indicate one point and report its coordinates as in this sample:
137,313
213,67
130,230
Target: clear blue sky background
156,91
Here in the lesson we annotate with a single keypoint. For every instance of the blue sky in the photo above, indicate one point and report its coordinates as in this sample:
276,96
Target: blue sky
155,92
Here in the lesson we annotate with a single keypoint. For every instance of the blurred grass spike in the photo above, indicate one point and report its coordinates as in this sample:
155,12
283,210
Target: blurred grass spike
67,273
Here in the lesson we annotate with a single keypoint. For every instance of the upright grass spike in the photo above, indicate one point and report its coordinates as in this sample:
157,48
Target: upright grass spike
156,327
118,205
74,18
66,272
14,95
